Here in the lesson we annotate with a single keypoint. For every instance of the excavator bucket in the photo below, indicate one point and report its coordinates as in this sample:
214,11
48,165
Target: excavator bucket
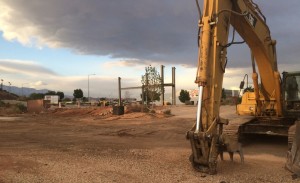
293,155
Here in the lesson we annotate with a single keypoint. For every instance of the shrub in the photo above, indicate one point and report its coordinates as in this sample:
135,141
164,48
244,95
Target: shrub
2,104
184,96
21,107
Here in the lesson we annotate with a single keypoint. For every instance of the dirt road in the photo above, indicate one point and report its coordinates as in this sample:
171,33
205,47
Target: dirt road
136,148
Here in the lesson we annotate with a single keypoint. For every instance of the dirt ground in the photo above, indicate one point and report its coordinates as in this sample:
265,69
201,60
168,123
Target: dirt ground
69,147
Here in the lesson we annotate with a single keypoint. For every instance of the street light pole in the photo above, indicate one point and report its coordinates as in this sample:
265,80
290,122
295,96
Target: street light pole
89,86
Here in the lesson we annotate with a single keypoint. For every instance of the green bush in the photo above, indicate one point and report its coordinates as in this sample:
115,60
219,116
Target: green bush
21,107
3,104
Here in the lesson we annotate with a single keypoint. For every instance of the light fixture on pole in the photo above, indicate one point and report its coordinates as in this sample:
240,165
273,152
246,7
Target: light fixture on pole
89,86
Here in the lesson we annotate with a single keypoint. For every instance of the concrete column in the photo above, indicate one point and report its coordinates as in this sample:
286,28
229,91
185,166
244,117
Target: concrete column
162,97
173,87
119,88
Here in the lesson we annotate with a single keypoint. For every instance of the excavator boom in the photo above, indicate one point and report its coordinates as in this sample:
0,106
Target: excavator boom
206,136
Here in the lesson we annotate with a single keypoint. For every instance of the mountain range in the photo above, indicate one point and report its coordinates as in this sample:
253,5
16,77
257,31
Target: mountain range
24,91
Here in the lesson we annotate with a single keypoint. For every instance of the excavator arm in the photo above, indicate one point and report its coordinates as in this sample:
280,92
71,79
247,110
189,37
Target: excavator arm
246,18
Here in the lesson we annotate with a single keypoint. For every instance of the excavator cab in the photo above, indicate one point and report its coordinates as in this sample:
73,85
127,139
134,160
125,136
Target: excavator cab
291,94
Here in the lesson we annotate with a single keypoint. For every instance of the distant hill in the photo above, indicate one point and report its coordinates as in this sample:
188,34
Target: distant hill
23,91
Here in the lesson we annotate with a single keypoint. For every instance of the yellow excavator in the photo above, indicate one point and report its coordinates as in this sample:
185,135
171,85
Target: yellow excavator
273,107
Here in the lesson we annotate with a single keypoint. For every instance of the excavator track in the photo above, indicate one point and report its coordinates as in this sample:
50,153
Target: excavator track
232,130
291,135
293,154
241,125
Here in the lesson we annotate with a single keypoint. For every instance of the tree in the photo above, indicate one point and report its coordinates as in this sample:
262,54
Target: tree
152,83
35,96
78,93
102,99
60,94
184,96
50,92
155,96
84,99
127,95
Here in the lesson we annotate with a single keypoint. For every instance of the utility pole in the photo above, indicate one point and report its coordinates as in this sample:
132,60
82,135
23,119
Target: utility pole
173,87
119,89
162,85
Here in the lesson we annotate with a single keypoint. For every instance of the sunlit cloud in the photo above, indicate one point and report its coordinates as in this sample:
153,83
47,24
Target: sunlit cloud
136,63
40,83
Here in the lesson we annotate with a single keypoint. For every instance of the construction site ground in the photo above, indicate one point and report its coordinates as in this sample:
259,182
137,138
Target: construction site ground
81,145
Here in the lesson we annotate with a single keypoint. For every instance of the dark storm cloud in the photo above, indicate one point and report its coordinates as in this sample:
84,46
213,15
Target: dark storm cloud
161,31
283,20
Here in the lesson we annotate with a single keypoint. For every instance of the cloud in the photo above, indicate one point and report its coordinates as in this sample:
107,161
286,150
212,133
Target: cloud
31,74
142,30
40,83
128,63
28,68
156,31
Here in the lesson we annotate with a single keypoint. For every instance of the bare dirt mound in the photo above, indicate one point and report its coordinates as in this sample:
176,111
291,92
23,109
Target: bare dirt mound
91,111
4,95
106,113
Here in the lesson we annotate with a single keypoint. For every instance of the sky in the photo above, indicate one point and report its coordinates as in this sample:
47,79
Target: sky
59,44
